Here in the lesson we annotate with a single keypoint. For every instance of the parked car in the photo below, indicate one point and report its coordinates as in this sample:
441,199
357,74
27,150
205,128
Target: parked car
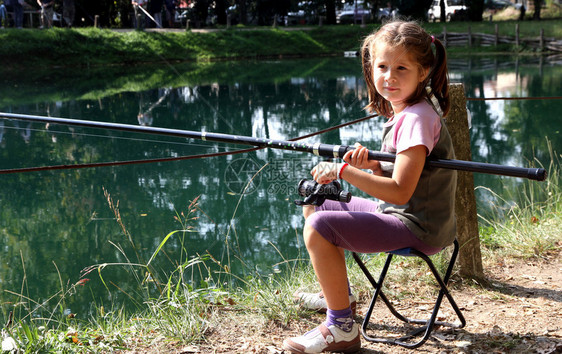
307,13
353,13
295,18
383,14
496,4
454,9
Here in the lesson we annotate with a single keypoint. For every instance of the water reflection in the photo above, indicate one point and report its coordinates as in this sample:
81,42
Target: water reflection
56,223
512,132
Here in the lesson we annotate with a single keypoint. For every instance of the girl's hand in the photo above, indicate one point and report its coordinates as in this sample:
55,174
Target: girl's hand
359,158
326,172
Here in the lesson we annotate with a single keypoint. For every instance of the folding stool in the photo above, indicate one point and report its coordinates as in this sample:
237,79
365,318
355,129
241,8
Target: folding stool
425,325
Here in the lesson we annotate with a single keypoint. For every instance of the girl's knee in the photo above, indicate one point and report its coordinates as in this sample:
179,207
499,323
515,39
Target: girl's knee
308,210
312,238
309,233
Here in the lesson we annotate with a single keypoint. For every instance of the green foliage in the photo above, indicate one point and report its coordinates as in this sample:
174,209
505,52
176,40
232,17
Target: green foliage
487,239
201,290
527,29
529,225
87,47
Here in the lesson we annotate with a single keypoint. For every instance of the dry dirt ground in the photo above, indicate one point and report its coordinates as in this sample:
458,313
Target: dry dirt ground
519,311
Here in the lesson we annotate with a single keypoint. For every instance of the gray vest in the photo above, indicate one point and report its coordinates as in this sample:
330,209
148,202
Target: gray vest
430,213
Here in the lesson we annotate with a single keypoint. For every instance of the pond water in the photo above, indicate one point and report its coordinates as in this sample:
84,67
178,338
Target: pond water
56,223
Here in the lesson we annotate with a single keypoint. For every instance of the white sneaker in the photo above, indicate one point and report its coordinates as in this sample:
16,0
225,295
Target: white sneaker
317,302
325,339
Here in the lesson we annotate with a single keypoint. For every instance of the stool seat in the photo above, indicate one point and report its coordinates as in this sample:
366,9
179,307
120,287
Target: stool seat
406,252
425,326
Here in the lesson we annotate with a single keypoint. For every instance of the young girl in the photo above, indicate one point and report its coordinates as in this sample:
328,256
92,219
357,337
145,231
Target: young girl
406,73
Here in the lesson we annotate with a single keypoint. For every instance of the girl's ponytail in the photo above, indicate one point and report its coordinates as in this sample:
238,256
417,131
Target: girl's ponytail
439,78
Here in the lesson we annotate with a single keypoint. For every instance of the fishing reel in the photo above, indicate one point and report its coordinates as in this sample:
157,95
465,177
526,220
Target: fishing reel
316,193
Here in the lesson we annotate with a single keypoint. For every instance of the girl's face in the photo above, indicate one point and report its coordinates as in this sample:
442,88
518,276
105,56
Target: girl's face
396,74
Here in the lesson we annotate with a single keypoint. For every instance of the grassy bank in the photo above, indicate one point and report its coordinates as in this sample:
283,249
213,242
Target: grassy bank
185,314
86,47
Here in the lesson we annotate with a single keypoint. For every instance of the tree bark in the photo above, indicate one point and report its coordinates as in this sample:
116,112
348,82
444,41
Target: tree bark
220,8
243,14
537,13
475,9
470,257
330,12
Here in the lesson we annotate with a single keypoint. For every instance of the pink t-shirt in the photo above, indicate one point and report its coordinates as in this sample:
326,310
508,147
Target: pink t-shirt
418,124
429,212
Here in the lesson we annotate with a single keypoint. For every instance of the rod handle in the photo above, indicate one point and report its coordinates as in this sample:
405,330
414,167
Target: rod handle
537,174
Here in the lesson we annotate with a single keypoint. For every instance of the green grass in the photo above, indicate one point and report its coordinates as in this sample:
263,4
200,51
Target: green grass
87,47
527,29
531,222
185,312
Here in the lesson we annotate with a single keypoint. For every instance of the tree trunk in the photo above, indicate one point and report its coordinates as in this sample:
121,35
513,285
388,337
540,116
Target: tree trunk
415,9
243,13
442,13
220,8
475,9
470,258
330,12
537,13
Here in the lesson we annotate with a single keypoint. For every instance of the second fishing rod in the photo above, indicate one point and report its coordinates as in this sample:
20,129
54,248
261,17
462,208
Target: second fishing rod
324,150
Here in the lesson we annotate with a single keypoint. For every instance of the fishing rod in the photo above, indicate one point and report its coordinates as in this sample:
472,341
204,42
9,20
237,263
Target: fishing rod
325,150
149,16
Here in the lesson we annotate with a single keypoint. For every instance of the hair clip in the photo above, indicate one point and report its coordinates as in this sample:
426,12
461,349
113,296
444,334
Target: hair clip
432,39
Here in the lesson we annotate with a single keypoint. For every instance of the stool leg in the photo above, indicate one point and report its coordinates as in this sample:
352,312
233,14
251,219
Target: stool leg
427,325
377,287
444,291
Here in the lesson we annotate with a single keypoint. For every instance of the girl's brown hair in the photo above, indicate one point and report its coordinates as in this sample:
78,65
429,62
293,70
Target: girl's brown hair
417,43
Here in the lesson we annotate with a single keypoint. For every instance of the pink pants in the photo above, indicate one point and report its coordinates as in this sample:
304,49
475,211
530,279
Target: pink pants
357,226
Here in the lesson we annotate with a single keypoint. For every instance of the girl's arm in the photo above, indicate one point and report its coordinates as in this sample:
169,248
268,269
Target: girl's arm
397,189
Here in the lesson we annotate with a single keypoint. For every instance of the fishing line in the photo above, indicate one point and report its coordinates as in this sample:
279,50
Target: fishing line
512,98
166,159
122,163
168,142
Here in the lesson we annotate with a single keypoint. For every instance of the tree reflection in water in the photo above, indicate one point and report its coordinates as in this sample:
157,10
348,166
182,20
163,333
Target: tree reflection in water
62,217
